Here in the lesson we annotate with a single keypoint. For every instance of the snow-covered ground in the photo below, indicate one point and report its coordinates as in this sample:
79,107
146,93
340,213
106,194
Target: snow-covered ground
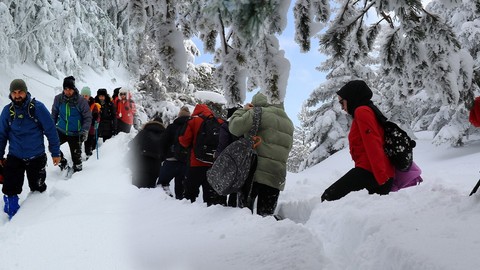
98,220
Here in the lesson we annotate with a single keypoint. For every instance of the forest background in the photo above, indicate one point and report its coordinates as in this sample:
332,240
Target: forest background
421,61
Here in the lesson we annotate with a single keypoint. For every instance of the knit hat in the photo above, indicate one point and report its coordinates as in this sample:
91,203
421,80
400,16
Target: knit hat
123,90
18,84
184,111
69,82
102,92
86,91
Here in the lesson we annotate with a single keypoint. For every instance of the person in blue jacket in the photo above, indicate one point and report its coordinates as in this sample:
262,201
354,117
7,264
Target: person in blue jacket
23,123
72,116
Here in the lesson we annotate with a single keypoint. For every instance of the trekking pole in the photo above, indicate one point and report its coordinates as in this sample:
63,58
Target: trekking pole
96,137
475,188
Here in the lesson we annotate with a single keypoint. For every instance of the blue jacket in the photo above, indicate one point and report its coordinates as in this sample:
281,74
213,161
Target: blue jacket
72,115
25,133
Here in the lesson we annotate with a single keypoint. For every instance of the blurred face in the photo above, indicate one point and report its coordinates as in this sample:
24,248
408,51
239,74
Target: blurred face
68,92
343,103
18,96
123,95
101,97
87,97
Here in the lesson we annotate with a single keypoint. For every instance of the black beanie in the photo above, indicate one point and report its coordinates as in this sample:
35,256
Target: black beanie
69,82
102,92
18,84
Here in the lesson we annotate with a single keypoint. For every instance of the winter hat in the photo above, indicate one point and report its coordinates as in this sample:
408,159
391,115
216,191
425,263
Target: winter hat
69,82
102,92
18,84
357,93
184,111
86,91
123,90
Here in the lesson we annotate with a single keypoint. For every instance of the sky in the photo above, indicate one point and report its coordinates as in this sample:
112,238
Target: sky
303,79
99,220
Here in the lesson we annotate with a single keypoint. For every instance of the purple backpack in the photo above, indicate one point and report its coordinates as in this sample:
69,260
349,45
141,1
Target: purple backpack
409,178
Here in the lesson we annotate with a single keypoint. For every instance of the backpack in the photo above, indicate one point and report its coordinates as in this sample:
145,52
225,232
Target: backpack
237,162
398,145
409,178
30,111
207,139
474,116
179,152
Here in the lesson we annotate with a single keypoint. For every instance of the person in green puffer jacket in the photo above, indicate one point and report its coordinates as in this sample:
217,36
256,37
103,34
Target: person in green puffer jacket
276,132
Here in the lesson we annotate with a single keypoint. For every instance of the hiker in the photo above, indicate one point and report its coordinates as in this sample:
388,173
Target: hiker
373,170
225,138
108,119
91,142
175,164
125,111
73,118
23,123
197,170
276,133
115,94
146,154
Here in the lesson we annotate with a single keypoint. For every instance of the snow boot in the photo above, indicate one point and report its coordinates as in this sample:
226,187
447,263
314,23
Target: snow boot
11,205
63,164
167,190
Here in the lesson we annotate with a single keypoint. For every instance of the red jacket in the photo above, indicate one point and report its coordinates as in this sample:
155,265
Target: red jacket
475,113
126,110
189,138
366,145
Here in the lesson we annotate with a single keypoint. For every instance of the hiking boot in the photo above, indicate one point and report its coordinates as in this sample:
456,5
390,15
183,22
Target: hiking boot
63,164
77,167
11,205
167,190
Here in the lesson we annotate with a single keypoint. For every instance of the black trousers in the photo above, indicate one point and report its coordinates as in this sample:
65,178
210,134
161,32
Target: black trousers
145,172
75,145
123,127
173,169
14,173
196,177
354,180
267,198
90,144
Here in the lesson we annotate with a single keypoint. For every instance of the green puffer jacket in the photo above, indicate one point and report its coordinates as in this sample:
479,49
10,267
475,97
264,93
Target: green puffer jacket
276,131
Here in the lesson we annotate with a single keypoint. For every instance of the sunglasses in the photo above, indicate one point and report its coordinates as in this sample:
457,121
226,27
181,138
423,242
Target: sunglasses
123,94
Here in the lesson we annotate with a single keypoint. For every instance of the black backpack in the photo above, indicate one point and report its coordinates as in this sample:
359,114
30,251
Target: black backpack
237,163
179,152
207,139
398,145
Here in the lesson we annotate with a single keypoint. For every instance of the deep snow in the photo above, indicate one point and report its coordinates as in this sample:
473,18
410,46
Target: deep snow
98,220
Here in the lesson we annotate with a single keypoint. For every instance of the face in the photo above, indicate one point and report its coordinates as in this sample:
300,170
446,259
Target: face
18,96
343,103
87,97
101,97
123,95
68,92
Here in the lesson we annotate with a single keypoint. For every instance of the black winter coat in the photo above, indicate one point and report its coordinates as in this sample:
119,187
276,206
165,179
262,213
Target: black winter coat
108,119
169,139
147,141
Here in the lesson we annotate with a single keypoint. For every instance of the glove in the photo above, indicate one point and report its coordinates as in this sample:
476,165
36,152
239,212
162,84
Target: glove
84,136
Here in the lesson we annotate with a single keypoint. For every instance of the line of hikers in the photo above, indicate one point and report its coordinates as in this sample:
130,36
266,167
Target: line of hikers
186,149
76,118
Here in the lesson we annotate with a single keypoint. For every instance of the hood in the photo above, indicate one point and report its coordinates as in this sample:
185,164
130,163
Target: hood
260,100
357,93
202,109
181,120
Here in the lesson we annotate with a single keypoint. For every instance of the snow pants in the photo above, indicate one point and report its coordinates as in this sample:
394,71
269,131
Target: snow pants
354,180
145,172
75,145
14,173
196,177
173,169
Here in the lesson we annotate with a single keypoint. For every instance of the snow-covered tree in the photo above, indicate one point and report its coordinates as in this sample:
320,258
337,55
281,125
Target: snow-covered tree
300,148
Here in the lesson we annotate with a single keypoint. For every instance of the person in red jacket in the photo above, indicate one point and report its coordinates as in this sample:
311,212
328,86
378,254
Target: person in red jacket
126,110
373,170
197,171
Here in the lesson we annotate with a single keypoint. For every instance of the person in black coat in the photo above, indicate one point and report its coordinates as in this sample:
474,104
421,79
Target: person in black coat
146,154
108,119
175,164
